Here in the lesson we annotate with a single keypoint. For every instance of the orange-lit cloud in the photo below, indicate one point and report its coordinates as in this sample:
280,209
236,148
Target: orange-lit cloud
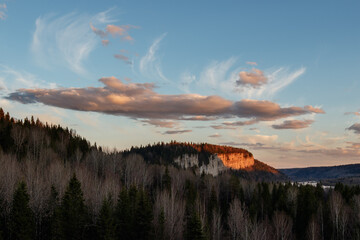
139,100
293,124
98,32
255,78
105,42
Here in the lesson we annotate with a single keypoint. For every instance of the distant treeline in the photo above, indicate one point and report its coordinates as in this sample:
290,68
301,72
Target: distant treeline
49,192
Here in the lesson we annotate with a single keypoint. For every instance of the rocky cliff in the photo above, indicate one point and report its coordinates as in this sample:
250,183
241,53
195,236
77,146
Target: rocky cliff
217,163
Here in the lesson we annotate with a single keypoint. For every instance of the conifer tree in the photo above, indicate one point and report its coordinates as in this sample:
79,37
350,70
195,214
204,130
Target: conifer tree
143,217
123,216
106,222
22,225
73,212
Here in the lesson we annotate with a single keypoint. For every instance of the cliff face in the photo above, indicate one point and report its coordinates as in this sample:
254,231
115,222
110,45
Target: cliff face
217,162
236,160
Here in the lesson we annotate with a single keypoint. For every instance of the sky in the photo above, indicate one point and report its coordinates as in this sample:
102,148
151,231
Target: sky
278,78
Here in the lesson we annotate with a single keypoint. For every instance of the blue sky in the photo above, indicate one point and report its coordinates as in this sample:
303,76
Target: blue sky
278,78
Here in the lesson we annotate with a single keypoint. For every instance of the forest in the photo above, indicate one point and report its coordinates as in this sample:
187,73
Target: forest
54,184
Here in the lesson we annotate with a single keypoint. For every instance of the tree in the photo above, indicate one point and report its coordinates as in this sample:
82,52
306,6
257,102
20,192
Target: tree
106,222
22,225
238,220
143,216
282,225
194,230
73,212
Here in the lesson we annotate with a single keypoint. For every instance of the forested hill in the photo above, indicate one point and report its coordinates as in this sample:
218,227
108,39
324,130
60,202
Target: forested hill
32,139
349,174
165,152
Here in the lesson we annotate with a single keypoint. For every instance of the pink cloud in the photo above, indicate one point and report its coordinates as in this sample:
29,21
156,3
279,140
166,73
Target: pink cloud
139,100
255,78
293,124
251,63
105,42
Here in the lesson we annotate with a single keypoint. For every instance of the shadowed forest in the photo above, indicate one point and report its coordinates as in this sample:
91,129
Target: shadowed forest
55,185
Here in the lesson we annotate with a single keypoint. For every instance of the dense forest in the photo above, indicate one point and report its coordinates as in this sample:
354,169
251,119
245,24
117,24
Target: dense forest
55,185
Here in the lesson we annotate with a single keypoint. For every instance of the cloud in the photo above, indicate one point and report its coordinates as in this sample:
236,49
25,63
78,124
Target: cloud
223,76
352,113
216,135
150,66
98,32
12,79
160,123
105,42
64,40
123,58
293,124
122,31
255,78
139,100
198,118
218,127
252,63
355,127
177,132
3,9
276,81
240,123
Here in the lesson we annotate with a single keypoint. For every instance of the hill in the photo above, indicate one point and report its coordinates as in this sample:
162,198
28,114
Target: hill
349,174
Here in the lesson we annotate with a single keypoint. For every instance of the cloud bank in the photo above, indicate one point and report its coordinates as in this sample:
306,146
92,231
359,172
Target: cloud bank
139,100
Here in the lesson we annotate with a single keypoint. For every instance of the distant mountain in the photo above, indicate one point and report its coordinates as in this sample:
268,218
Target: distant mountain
349,174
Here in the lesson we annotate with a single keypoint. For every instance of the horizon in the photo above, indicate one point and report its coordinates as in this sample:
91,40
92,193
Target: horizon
277,79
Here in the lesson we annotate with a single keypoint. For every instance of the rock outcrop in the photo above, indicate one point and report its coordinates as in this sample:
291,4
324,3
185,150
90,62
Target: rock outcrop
217,163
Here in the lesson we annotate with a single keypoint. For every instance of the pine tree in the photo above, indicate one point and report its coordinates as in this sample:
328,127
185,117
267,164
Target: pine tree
123,216
166,180
143,217
73,212
194,229
106,222
22,225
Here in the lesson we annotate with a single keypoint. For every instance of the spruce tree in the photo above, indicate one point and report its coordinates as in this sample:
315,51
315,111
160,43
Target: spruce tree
22,225
143,217
106,222
73,212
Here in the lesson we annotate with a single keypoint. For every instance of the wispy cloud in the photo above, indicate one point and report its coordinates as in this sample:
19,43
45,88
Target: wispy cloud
293,124
3,9
355,127
227,77
176,132
150,65
139,100
276,81
124,58
105,42
353,113
216,135
251,63
65,40
160,123
12,79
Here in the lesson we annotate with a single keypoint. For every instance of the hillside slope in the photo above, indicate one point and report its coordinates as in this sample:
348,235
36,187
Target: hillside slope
341,173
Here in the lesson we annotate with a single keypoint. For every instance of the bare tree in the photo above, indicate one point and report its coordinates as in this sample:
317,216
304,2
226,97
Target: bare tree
238,221
336,204
216,226
282,225
313,230
173,209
